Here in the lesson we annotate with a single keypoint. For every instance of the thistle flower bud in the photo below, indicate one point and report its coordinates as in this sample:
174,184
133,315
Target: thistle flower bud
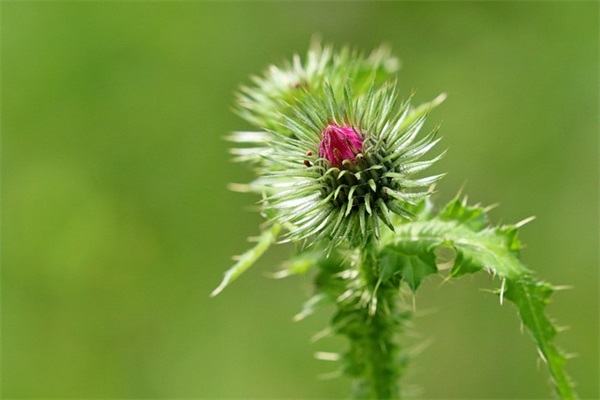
336,162
347,167
339,143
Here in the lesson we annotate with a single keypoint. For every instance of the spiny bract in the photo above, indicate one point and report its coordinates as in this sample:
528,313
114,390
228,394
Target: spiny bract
337,165
276,93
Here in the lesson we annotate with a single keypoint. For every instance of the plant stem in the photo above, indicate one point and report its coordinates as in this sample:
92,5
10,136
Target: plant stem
372,359
374,351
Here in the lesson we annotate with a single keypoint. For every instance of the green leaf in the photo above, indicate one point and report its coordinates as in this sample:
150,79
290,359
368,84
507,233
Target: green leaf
531,297
246,260
465,228
457,211
478,246
407,260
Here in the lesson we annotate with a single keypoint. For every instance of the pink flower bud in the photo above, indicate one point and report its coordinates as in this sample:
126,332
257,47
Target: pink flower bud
339,143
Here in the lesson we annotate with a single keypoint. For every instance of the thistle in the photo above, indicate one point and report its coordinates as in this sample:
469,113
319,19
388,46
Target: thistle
339,159
345,167
339,144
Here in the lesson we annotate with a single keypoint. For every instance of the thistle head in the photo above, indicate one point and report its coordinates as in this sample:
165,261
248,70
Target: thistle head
347,169
339,144
340,162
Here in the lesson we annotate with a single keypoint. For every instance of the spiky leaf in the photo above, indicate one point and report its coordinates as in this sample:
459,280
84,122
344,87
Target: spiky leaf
408,261
531,297
246,260
479,246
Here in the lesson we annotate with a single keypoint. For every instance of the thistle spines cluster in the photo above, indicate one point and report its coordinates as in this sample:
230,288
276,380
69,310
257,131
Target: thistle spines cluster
347,166
275,94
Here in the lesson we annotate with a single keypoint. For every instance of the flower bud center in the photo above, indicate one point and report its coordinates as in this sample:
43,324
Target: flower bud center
339,143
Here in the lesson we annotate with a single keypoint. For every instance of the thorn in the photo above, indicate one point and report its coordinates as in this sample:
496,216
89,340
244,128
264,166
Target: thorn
491,207
239,187
300,316
448,278
420,347
438,100
344,296
320,335
218,289
525,221
570,356
326,356
284,273
502,288
283,240
542,356
461,189
562,287
373,306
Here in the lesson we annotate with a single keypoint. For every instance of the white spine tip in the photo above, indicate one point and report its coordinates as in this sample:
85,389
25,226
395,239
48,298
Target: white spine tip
326,356
525,221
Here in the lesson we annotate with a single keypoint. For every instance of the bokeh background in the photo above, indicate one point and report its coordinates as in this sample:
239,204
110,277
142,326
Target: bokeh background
117,222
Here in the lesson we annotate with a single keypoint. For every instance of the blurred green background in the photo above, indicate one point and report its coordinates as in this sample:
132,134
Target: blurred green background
117,223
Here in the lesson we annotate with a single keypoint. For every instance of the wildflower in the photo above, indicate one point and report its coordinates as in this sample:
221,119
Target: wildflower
339,143
337,170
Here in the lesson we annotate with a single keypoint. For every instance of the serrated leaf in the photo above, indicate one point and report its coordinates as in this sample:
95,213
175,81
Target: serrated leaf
474,217
407,260
246,260
464,264
531,297
479,247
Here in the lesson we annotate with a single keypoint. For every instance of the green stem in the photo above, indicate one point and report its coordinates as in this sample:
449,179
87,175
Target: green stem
372,359
374,352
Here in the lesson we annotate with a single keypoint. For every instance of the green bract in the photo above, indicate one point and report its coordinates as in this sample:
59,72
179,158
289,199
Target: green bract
322,203
276,93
